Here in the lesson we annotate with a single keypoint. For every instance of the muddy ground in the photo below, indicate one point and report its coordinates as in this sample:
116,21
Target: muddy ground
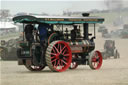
112,72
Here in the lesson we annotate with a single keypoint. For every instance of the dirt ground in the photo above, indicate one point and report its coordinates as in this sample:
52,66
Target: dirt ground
112,72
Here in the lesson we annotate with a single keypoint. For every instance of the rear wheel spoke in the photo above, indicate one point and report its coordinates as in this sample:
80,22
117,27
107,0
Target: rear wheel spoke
64,62
53,57
61,63
57,64
53,60
56,49
54,63
62,49
53,54
66,54
59,47
65,58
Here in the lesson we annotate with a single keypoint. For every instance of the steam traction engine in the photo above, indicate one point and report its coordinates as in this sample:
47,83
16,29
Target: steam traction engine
61,45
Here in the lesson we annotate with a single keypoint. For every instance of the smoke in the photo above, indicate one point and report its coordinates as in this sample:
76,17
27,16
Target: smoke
114,5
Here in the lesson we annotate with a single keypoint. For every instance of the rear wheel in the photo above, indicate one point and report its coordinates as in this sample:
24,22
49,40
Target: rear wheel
58,56
95,60
34,68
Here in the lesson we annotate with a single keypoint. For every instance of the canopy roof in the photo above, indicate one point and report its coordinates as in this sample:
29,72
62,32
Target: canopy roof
56,19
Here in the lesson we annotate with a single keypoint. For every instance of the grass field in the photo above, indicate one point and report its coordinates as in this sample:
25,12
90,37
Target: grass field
112,72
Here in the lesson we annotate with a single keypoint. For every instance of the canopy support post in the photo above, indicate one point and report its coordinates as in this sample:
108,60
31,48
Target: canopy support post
62,28
94,30
23,31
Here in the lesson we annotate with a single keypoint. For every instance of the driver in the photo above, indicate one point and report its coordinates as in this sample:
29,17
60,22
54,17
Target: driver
74,33
29,32
43,31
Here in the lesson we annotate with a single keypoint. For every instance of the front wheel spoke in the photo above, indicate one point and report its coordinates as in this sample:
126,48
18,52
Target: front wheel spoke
96,55
36,67
98,59
74,63
98,63
71,64
94,63
93,59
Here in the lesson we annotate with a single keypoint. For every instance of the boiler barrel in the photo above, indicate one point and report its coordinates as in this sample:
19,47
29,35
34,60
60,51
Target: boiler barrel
82,46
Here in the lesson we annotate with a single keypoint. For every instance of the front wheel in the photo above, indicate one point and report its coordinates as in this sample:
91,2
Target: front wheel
74,64
95,60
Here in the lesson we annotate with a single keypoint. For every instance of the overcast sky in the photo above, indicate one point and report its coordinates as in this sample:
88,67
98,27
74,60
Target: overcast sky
51,6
